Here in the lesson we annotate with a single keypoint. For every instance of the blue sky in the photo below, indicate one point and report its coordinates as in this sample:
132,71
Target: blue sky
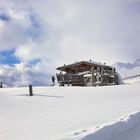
33,31
4,17
8,57
91,26
39,36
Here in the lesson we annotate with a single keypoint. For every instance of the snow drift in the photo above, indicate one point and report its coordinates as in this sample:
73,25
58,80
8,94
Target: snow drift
127,128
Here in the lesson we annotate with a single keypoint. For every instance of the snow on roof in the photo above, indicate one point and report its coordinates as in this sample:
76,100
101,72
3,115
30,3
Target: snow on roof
83,73
91,63
88,75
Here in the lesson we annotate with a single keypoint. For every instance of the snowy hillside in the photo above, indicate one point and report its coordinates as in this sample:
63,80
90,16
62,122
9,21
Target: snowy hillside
128,69
127,128
127,65
132,79
70,113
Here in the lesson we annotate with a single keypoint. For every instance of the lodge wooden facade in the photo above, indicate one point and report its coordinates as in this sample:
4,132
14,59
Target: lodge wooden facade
87,73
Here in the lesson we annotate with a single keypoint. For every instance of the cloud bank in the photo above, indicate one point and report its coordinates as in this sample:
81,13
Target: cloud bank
24,74
64,31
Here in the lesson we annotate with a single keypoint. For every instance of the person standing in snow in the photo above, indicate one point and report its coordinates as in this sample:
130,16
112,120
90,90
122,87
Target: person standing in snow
53,80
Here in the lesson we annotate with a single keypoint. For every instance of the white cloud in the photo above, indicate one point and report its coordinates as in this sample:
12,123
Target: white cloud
104,30
101,29
24,52
1,26
24,74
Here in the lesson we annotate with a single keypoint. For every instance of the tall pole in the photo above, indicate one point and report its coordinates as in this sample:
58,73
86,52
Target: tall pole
30,90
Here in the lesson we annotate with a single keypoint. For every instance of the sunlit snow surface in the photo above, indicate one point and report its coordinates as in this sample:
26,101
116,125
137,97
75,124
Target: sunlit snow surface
132,80
69,113
126,128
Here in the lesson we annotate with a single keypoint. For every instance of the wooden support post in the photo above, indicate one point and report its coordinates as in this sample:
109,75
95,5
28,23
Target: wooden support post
102,72
93,77
30,90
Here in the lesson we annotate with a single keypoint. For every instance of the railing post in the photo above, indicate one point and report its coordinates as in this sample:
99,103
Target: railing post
93,77
30,90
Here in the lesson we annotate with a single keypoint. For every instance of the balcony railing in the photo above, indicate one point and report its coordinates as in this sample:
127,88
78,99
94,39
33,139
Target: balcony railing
69,78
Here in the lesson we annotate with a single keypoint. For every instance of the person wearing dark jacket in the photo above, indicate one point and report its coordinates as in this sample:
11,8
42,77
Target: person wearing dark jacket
53,80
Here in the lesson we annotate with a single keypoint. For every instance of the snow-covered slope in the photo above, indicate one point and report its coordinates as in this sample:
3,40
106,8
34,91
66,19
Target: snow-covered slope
63,113
132,79
128,69
126,128
121,65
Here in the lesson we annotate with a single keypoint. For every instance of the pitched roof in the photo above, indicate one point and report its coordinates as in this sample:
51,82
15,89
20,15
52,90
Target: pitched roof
90,63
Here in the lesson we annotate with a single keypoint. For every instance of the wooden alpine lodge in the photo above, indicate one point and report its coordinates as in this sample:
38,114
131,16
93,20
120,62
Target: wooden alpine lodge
87,73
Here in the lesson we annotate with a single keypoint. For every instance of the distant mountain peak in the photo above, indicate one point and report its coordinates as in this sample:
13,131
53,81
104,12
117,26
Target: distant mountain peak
120,65
128,69
137,62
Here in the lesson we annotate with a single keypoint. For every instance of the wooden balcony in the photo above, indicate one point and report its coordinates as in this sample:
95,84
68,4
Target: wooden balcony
73,79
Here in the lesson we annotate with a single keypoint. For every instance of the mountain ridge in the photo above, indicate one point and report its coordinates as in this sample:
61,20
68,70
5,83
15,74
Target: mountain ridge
128,69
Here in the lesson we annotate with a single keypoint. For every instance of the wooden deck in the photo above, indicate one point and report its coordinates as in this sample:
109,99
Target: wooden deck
73,79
